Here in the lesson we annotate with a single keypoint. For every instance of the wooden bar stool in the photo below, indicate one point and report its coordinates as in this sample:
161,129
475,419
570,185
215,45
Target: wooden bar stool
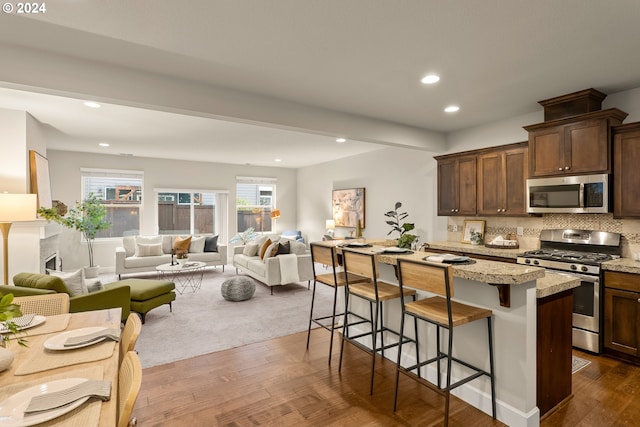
443,313
328,256
376,293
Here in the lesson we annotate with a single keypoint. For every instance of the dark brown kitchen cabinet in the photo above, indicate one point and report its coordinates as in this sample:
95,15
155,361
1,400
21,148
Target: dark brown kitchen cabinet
622,314
576,145
457,185
626,171
502,176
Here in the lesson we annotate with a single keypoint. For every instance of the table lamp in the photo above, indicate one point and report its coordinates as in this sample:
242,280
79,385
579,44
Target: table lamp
330,225
13,208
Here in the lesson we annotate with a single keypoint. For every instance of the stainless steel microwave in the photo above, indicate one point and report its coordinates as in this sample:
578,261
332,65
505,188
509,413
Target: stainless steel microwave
568,194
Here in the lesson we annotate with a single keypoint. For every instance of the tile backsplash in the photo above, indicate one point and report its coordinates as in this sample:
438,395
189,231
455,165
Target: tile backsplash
531,227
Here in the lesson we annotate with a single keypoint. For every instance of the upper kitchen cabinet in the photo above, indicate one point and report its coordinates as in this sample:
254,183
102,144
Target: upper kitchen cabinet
502,176
626,172
456,184
573,146
575,138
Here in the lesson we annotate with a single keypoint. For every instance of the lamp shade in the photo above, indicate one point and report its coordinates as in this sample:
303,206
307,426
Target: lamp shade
17,207
275,214
330,224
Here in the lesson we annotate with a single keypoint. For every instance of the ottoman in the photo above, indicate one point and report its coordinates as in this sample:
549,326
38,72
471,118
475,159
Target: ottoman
147,294
238,288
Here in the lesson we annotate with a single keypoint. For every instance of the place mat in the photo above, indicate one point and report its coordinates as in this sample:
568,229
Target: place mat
53,324
41,359
87,414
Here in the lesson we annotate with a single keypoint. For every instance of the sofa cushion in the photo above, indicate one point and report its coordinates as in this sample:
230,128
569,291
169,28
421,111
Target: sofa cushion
271,251
146,261
167,244
73,280
284,248
251,249
129,244
205,257
264,248
242,260
211,244
181,244
297,248
143,249
41,281
197,245
148,240
144,289
257,266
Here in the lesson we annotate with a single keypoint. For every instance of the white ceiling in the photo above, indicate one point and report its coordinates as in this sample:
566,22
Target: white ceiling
362,58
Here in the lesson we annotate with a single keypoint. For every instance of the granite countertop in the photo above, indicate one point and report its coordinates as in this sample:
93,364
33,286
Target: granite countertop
493,272
623,265
553,283
477,249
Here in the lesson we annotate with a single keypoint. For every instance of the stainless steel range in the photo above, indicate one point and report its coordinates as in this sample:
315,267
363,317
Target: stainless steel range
579,253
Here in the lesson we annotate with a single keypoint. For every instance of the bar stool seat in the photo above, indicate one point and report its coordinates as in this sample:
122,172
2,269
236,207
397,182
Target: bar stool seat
375,292
443,313
326,254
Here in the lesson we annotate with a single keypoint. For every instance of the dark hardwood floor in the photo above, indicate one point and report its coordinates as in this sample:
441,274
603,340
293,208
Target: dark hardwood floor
279,383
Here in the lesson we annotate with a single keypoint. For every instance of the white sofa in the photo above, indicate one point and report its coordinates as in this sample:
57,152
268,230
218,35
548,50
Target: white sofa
130,259
268,270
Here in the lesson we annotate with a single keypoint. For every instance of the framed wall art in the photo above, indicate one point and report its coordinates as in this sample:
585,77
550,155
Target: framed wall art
348,207
472,226
39,178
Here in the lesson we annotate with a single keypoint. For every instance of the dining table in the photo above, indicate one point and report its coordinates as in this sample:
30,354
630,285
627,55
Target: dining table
39,364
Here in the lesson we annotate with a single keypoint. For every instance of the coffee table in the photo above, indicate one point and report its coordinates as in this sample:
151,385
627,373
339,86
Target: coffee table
187,276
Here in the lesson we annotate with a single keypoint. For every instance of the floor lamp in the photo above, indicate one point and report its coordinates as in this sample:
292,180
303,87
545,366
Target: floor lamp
14,207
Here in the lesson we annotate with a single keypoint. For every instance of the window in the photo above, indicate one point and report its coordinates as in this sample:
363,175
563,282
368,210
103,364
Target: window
121,194
187,212
255,199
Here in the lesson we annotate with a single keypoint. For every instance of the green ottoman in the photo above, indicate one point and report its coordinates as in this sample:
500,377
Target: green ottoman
147,294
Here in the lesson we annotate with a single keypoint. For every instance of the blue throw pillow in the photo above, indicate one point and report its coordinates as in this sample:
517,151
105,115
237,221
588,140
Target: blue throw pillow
211,244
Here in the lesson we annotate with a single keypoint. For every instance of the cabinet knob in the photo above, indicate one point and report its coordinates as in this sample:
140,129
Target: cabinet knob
560,169
638,299
499,210
453,210
566,168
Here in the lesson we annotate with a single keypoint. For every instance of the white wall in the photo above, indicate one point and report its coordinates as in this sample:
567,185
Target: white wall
388,175
158,173
14,161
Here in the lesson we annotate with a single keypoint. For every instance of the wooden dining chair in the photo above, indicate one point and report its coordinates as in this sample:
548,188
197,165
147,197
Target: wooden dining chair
129,382
327,255
44,305
444,313
376,293
130,334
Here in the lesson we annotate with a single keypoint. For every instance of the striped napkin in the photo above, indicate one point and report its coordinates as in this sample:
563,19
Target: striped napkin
57,399
20,322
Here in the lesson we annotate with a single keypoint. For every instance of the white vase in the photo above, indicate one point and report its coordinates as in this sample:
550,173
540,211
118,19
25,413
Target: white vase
6,358
91,272
182,261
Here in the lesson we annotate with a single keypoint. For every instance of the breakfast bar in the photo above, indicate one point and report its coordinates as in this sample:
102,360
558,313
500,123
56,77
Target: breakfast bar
516,340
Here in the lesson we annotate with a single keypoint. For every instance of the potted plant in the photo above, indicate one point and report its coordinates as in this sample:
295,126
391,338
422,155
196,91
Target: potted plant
404,239
87,217
8,310
244,237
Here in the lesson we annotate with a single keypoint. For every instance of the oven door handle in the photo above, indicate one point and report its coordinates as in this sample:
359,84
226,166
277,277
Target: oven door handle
583,277
581,195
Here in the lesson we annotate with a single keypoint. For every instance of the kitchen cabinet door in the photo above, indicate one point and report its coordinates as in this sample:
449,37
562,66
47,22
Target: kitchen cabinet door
622,313
626,171
457,185
502,179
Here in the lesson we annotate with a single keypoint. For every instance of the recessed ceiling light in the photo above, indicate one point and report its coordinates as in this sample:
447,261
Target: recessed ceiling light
103,144
430,79
341,140
452,109
277,160
92,104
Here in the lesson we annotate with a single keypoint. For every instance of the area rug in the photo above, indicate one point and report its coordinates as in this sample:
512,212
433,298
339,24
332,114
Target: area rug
204,322
578,363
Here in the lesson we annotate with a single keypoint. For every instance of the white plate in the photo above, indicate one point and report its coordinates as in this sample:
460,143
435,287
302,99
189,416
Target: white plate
37,320
56,342
12,409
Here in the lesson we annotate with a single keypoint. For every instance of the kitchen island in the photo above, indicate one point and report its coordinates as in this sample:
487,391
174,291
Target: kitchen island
515,331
